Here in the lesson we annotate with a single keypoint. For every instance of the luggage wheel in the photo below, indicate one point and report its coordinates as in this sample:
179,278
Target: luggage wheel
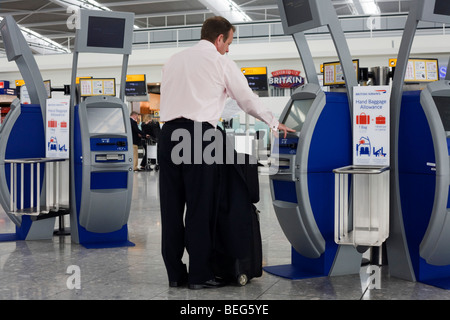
242,279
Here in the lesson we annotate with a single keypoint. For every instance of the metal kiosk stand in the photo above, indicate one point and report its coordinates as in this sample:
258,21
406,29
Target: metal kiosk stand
101,156
23,145
302,183
419,244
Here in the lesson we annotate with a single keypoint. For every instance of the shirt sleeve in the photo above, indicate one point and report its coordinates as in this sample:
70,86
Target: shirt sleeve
238,89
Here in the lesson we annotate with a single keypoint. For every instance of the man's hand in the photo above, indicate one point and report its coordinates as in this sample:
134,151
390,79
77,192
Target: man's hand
285,129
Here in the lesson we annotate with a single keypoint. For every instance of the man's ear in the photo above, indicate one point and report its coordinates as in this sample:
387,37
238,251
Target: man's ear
219,39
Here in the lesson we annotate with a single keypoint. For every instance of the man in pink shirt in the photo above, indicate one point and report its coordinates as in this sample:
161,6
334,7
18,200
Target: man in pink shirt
195,85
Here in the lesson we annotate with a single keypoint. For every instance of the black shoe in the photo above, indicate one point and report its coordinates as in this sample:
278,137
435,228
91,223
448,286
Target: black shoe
177,284
213,283
181,283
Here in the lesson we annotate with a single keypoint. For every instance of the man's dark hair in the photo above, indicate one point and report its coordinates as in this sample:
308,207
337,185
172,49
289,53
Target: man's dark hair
215,26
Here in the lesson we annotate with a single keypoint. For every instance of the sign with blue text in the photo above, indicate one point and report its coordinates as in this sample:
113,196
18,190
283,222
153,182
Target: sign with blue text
371,125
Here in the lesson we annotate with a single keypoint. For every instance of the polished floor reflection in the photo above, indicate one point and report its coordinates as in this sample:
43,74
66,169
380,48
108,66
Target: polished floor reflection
39,269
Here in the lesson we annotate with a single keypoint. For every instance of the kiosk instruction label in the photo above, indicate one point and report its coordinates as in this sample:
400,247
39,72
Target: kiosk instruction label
371,125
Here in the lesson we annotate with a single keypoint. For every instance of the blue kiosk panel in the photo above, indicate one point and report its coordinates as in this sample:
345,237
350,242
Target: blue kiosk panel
25,140
329,148
418,184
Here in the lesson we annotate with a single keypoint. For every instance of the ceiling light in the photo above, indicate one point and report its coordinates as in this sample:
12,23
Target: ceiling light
369,7
227,9
85,4
365,7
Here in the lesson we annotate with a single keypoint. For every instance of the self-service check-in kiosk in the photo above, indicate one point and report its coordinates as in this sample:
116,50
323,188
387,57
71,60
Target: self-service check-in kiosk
22,136
102,155
303,185
419,245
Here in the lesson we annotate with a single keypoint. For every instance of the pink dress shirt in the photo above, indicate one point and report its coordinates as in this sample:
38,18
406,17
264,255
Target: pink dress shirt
196,83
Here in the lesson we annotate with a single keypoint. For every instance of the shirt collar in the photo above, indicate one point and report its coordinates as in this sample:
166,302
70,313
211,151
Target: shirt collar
207,44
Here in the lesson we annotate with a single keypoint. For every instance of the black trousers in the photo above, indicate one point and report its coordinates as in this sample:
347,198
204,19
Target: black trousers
188,199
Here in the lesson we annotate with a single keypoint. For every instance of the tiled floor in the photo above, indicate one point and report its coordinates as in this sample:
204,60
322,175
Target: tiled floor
38,269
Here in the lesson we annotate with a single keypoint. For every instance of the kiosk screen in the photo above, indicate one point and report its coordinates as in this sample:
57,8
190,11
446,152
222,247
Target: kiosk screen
297,11
443,107
442,7
297,114
106,32
105,120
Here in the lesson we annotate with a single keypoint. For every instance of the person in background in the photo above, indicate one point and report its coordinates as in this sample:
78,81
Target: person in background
151,128
195,85
137,137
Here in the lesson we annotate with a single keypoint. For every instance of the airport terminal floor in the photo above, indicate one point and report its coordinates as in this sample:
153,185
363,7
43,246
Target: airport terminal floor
38,270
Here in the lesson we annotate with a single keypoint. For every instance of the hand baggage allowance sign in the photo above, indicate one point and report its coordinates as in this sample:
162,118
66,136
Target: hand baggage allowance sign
371,125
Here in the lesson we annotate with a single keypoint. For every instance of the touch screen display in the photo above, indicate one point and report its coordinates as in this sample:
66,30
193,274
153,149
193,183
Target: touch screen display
105,120
297,114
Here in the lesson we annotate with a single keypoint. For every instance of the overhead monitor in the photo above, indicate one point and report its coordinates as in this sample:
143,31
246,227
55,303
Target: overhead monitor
296,116
136,85
299,15
436,11
257,82
105,32
105,120
256,78
135,88
442,7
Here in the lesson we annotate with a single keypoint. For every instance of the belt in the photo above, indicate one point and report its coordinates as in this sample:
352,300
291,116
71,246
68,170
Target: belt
184,120
180,120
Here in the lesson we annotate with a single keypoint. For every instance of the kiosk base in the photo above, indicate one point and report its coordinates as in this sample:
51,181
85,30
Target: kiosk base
443,283
108,245
8,237
335,261
95,240
291,272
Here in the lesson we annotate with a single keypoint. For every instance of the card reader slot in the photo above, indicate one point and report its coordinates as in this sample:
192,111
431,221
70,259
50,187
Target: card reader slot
109,157
105,144
281,163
